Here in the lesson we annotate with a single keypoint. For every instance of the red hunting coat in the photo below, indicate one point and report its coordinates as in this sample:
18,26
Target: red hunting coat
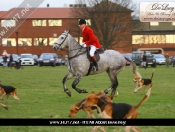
89,38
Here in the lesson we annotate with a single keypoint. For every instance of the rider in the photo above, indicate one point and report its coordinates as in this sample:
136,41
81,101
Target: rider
89,39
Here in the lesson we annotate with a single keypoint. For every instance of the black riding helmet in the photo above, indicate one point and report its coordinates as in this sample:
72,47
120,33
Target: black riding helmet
82,21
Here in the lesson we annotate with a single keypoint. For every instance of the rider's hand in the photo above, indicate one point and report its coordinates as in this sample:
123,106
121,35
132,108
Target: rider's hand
83,44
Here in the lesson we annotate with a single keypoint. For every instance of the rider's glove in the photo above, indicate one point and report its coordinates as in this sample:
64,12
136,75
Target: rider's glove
83,44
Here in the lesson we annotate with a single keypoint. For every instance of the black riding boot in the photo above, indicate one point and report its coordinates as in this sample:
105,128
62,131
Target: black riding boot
95,67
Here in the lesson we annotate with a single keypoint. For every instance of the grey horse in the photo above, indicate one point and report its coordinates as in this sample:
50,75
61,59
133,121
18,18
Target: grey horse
110,61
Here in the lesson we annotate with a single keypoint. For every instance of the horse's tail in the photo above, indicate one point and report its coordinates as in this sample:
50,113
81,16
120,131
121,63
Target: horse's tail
133,67
128,59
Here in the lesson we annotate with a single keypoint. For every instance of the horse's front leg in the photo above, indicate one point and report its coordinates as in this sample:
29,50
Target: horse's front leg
67,77
75,82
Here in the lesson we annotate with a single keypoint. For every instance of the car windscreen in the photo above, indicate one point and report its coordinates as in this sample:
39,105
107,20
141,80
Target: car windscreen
46,56
158,56
15,56
26,56
137,55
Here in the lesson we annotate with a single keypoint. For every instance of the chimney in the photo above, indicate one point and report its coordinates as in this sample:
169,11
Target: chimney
47,5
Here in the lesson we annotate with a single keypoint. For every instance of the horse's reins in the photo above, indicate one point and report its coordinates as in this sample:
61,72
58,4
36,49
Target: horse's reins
77,54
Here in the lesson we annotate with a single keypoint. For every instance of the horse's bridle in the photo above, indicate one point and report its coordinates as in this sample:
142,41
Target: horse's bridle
63,40
77,54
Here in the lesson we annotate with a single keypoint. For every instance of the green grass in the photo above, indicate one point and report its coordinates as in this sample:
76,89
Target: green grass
41,95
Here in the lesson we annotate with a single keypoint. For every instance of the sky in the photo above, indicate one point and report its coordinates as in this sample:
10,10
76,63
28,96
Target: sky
8,4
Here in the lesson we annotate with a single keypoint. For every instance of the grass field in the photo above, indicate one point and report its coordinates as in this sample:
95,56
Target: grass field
41,96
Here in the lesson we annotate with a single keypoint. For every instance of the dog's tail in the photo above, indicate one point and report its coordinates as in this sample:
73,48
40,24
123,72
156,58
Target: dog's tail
144,98
152,75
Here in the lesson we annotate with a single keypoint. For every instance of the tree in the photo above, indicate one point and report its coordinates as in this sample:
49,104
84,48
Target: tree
110,20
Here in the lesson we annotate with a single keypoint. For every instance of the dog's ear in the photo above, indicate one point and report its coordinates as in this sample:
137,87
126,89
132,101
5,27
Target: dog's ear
101,93
77,108
93,92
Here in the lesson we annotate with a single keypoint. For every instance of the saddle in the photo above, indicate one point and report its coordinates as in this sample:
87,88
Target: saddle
97,56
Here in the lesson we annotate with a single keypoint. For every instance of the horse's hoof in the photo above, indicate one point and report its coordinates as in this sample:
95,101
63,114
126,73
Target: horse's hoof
84,91
68,93
106,91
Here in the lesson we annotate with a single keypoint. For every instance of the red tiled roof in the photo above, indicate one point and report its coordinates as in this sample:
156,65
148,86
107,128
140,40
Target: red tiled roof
40,13
2,13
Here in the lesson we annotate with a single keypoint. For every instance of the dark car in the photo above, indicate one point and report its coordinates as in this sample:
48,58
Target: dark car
48,59
64,61
35,57
15,58
173,61
137,58
1,61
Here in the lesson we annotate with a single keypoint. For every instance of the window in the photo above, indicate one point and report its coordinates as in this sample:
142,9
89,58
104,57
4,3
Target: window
8,42
88,22
8,23
80,39
173,23
55,22
154,23
170,38
39,22
40,41
52,41
25,41
149,39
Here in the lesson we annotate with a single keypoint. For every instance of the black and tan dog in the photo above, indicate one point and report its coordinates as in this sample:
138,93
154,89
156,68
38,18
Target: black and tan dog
115,110
143,82
8,90
90,110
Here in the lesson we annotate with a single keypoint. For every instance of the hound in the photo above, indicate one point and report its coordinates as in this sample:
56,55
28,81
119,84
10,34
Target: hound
8,90
115,110
89,110
143,82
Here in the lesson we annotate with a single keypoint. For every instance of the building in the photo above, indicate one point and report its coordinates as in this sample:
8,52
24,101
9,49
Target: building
157,37
38,32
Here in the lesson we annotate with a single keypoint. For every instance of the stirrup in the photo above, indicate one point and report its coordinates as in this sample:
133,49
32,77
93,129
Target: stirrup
94,69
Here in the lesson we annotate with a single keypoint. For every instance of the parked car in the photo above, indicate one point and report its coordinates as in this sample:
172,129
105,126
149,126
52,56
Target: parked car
1,61
35,57
160,59
173,61
27,59
64,61
129,56
48,59
15,58
137,58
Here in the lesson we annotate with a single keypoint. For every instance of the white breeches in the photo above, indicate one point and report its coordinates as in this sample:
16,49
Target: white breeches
92,50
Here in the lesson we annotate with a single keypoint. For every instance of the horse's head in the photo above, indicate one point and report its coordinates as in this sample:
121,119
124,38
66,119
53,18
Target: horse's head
61,41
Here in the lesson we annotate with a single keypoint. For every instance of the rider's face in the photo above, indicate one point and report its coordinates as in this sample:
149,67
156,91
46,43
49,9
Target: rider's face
82,26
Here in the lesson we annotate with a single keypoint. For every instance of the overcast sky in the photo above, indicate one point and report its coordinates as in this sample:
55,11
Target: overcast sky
8,4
